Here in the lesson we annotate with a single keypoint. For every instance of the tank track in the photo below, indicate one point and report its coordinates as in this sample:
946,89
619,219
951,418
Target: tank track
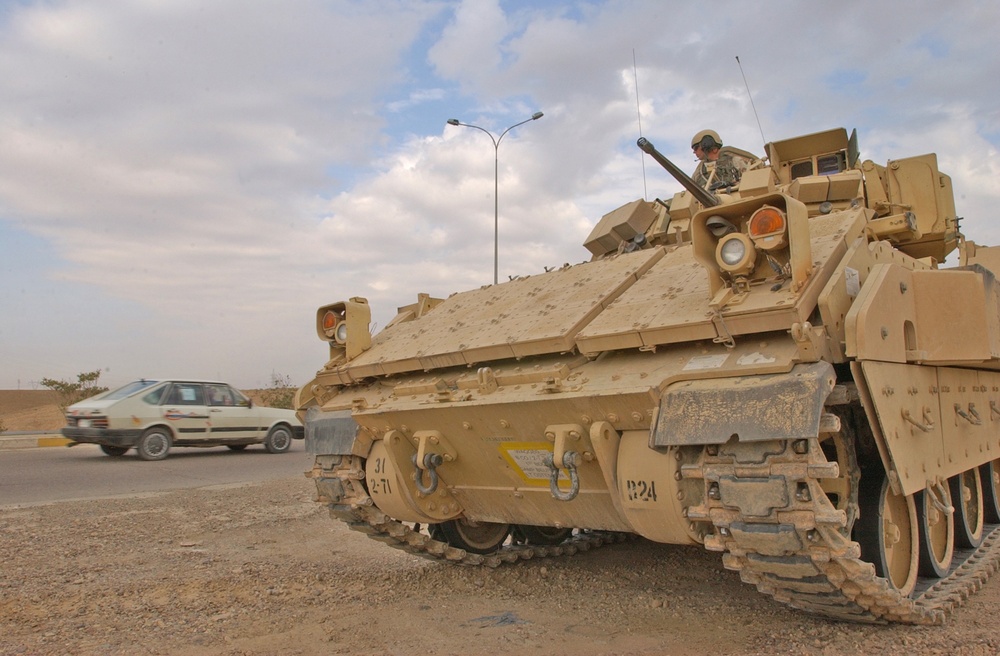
357,510
800,554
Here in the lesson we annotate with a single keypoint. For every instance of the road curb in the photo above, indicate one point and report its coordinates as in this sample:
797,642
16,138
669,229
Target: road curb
32,440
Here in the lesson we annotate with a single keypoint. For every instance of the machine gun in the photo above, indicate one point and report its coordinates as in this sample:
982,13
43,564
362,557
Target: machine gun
704,197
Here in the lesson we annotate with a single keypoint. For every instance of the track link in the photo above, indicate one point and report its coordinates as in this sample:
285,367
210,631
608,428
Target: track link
796,551
350,503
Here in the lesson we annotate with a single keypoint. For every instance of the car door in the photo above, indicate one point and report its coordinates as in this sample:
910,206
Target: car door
231,416
186,412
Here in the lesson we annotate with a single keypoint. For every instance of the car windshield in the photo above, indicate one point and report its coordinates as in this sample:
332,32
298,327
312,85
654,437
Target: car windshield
128,390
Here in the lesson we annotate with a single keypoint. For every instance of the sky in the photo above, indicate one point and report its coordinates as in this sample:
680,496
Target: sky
183,182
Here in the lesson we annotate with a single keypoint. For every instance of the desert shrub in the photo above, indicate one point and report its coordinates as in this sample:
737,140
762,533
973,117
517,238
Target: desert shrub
280,393
69,392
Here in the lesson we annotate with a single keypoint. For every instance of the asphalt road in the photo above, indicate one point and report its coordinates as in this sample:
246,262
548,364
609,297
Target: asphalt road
43,475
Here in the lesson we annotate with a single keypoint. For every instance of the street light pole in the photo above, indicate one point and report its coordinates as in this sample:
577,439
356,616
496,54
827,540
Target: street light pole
496,182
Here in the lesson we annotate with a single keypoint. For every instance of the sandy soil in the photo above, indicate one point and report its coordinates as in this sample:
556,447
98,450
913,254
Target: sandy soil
261,569
30,410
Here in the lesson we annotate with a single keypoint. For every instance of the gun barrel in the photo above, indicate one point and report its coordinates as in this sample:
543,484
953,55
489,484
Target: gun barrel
704,197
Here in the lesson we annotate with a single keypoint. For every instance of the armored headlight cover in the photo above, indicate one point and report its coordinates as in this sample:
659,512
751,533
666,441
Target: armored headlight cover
344,326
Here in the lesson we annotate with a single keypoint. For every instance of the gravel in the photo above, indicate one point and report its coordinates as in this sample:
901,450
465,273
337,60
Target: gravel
262,569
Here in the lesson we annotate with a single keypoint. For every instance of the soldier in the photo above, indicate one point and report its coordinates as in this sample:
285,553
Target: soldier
716,170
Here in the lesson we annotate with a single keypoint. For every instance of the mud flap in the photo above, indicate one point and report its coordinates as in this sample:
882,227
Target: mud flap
752,408
330,433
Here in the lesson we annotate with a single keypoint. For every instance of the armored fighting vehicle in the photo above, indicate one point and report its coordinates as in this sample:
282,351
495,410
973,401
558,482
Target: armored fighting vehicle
775,367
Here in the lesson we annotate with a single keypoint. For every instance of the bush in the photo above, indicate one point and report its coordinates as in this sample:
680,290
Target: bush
280,393
69,393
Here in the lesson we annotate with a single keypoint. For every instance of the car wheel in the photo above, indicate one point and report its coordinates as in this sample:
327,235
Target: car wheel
154,444
278,440
114,451
237,447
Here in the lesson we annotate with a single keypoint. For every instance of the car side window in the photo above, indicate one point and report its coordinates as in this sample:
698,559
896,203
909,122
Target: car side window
154,397
220,395
187,394
238,397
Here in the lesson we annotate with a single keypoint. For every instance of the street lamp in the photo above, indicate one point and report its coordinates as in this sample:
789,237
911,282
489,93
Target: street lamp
496,181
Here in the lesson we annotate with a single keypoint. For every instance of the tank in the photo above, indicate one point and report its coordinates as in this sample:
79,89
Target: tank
774,366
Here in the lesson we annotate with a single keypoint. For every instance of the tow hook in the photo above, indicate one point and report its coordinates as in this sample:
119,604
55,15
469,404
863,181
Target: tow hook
570,461
430,464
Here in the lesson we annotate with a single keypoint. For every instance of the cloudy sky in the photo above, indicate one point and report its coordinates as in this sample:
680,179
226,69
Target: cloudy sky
183,182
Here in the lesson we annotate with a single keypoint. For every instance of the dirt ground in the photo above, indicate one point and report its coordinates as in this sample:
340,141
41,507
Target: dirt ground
261,569
30,410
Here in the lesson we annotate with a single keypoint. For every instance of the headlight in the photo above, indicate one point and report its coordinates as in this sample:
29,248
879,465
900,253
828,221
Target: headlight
735,254
732,252
342,333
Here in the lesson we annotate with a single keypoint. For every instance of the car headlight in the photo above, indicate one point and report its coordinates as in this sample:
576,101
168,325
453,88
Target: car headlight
735,254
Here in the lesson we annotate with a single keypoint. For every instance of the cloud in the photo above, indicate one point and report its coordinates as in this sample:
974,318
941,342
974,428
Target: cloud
171,152
415,99
205,175
471,37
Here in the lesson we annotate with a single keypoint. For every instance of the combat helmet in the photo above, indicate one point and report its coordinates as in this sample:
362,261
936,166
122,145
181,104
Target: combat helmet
706,139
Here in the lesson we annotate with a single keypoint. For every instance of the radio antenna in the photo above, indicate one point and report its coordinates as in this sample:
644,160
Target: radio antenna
638,115
751,103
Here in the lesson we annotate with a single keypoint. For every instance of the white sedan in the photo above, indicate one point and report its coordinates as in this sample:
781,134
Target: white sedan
154,415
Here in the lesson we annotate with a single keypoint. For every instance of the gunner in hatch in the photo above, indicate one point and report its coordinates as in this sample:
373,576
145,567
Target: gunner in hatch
717,169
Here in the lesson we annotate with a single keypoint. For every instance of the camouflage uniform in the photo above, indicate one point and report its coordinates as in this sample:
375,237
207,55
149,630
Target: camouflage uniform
721,173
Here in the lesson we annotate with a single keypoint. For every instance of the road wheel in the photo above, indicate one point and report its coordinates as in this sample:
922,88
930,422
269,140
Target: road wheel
989,474
541,535
474,537
278,440
237,447
937,530
967,495
114,451
886,529
154,444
